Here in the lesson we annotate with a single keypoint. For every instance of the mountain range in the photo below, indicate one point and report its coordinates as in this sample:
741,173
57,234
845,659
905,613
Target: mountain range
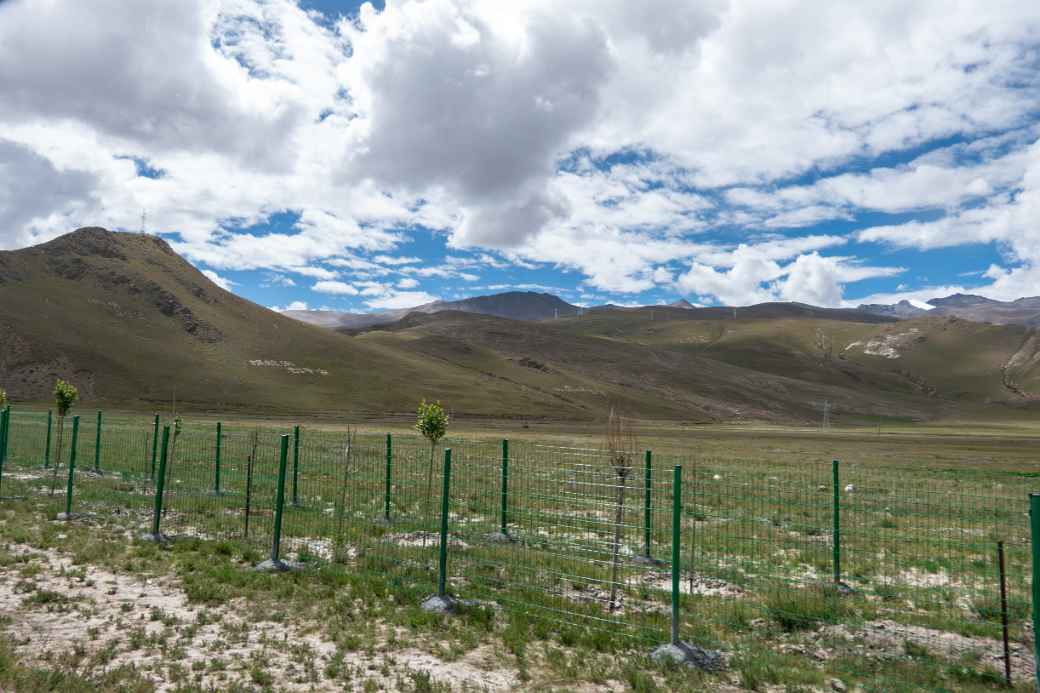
528,305
1023,311
134,325
516,305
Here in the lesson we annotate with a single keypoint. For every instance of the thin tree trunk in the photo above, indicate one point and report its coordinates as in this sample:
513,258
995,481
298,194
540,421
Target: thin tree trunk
169,472
343,488
429,488
619,516
249,484
57,457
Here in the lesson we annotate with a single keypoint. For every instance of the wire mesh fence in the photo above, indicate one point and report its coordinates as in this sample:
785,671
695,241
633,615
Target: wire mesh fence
578,542
887,557
576,537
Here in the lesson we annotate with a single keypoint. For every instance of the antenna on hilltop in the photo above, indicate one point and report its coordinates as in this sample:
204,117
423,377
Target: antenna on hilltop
144,219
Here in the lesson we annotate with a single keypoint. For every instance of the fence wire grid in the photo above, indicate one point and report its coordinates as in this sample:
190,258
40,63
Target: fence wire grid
575,543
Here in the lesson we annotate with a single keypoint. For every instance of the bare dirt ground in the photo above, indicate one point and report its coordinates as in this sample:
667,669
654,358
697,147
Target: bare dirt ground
53,607
888,639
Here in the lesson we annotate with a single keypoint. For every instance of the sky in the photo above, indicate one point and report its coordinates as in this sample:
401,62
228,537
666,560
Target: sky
367,156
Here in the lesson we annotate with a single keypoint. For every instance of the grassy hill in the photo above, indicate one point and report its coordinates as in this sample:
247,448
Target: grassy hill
781,363
134,325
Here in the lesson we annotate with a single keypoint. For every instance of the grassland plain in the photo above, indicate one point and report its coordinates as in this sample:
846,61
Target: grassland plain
922,508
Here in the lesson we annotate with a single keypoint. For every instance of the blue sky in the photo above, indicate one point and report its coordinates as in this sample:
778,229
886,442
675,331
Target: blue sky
314,153
962,265
334,9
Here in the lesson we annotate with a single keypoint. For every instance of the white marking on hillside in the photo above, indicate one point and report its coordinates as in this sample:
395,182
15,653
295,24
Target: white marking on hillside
886,346
288,366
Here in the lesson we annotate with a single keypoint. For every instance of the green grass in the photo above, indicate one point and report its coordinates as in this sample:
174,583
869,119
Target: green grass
917,544
68,676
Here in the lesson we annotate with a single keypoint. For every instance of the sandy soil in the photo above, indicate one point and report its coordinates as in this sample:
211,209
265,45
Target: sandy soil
53,607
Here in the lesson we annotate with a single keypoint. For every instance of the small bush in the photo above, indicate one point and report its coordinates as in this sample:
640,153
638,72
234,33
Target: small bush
915,650
886,592
988,608
796,609
639,681
758,671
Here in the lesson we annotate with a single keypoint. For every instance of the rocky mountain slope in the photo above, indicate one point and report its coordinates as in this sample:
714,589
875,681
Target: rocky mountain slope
1023,311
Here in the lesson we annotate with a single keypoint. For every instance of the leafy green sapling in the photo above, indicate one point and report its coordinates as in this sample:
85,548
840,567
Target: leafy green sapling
65,396
432,422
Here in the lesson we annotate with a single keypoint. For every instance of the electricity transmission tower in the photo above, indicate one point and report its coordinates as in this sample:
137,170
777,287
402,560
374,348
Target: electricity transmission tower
825,410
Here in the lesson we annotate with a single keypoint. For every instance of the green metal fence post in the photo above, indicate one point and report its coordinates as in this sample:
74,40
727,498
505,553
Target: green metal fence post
5,421
160,488
647,505
389,477
97,444
676,525
275,563
1034,529
5,424
216,462
296,466
505,488
67,515
47,444
442,575
836,532
677,651
155,442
